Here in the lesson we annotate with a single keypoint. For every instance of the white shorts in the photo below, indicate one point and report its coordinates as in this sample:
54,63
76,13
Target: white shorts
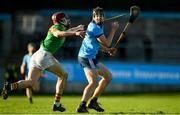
42,59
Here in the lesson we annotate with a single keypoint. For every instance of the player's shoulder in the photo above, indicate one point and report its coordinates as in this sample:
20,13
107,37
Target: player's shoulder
55,26
92,25
59,27
26,55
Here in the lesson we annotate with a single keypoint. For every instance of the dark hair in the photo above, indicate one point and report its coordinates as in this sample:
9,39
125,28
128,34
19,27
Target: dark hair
31,44
98,10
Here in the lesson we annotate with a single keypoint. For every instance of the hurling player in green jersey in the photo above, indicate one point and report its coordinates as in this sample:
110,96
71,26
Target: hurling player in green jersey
43,59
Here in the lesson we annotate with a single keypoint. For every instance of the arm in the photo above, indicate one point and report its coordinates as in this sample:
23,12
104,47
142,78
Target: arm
104,48
60,34
23,65
111,51
107,41
77,28
22,69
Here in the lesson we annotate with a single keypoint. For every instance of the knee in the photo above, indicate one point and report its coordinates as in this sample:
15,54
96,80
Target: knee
62,76
65,75
31,84
94,84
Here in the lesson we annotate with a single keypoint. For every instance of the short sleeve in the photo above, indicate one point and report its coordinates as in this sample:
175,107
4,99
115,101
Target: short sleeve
97,31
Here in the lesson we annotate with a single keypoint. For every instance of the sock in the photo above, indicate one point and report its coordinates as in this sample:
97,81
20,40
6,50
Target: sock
57,103
30,99
83,104
14,86
94,99
57,99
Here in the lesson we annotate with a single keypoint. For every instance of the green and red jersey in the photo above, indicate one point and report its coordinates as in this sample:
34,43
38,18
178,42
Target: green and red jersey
52,43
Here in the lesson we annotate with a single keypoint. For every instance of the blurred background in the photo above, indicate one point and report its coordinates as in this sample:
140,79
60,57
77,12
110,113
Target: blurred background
148,60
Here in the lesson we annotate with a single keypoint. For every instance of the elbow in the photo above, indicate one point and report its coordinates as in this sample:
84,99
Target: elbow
107,44
59,35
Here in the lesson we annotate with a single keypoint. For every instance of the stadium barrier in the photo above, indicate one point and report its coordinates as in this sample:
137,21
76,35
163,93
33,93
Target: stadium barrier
123,73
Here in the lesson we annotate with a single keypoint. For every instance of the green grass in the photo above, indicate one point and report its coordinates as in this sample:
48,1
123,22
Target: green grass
113,104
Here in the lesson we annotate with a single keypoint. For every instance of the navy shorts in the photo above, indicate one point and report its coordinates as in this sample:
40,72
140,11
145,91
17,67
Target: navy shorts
88,63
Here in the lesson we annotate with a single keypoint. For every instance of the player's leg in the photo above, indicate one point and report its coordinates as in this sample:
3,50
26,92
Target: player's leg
62,77
29,92
31,82
92,77
33,77
106,78
91,72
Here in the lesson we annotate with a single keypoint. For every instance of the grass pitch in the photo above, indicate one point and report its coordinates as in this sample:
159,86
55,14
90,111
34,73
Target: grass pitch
113,104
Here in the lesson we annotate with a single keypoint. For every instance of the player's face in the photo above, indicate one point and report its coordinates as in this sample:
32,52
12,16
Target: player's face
98,18
31,49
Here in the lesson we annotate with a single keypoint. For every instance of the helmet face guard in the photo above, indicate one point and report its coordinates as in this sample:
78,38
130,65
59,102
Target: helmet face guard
60,17
66,21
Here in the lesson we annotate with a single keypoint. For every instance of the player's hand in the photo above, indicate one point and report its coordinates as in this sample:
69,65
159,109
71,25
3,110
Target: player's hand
112,51
80,33
80,27
115,26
